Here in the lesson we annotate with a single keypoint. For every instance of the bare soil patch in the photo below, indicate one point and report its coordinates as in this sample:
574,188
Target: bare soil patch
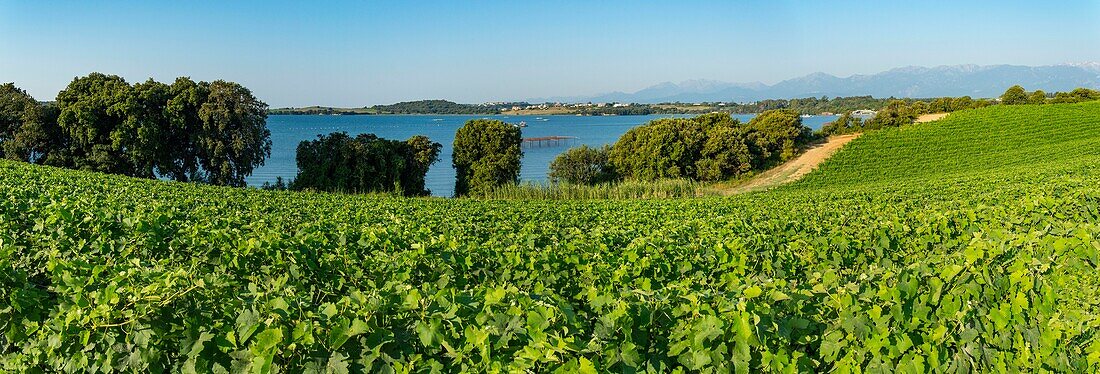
931,117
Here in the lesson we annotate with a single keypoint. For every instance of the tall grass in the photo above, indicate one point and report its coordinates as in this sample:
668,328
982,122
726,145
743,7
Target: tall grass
666,188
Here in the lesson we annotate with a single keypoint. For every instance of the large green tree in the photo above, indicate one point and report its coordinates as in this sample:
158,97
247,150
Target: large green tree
182,128
93,110
233,138
213,132
1014,95
727,152
28,129
144,133
486,155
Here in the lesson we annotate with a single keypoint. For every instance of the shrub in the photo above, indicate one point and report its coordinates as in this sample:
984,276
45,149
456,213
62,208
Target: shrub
583,165
365,163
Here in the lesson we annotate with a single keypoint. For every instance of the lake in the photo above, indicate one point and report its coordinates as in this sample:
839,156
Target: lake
288,130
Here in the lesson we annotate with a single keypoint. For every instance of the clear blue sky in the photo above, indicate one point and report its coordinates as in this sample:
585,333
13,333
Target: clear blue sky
359,53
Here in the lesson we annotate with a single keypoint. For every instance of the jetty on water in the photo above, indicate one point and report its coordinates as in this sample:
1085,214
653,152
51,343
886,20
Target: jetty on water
549,141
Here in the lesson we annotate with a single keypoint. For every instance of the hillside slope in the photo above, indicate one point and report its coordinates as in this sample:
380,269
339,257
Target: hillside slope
969,244
966,144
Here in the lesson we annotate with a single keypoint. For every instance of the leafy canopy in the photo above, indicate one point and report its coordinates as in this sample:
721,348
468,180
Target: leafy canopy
486,155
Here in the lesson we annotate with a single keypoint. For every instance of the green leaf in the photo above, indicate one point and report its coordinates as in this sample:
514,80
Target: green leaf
586,367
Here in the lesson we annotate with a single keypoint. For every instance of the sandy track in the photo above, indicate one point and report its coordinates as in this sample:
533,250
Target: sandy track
931,117
792,170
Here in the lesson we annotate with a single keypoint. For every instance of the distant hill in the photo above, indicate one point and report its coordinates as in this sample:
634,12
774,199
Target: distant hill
434,107
914,82
407,107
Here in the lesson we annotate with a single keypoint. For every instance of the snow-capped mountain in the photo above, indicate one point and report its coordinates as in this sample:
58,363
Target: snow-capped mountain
910,81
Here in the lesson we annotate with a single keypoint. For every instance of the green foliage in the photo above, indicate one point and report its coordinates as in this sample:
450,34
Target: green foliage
1076,96
896,114
583,165
1037,97
931,248
844,124
93,110
234,138
433,107
1014,95
422,153
626,189
779,132
728,152
28,130
365,163
662,148
213,132
486,155
709,147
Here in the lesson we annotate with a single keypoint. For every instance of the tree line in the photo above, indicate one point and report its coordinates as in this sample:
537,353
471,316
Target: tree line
1016,95
710,147
901,112
210,132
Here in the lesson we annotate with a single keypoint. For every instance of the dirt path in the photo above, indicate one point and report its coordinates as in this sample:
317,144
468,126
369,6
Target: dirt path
931,117
792,170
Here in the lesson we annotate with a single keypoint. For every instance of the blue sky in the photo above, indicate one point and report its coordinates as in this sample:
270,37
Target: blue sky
360,53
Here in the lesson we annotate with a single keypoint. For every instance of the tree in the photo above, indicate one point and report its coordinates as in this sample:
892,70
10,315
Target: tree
185,131
779,132
234,138
845,124
420,155
941,105
365,163
962,102
1085,94
486,155
38,139
17,110
93,109
896,114
920,107
182,128
1037,97
726,153
583,165
1015,95
708,147
663,148
143,133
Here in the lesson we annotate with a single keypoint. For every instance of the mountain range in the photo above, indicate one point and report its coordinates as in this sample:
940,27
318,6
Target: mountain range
912,81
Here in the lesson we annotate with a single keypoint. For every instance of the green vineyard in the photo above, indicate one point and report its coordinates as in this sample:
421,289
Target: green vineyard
961,245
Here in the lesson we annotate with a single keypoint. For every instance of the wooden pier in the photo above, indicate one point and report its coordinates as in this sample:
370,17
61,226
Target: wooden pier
549,141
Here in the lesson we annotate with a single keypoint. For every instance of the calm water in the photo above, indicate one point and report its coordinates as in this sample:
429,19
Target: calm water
288,130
